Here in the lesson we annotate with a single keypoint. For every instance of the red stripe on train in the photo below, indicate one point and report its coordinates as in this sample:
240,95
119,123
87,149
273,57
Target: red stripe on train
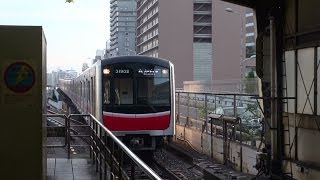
132,123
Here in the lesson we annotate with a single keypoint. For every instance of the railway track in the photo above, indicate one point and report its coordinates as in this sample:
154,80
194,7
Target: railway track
168,166
178,167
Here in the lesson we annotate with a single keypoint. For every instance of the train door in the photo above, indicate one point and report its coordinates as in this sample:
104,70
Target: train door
80,97
87,95
94,96
91,96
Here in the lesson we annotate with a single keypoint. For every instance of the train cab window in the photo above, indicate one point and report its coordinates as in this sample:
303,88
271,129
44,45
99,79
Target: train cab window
106,94
153,85
153,91
123,91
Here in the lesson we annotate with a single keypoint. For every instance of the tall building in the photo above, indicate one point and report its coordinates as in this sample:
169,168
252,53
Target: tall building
107,52
122,27
167,34
200,37
250,33
202,40
147,27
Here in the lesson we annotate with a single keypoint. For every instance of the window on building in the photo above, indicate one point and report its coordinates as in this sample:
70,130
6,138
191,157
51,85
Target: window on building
249,14
249,34
250,44
250,50
249,24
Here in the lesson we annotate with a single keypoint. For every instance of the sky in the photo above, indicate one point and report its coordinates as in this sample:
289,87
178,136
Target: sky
74,31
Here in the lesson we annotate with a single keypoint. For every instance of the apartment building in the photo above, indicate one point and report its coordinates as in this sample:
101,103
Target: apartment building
122,28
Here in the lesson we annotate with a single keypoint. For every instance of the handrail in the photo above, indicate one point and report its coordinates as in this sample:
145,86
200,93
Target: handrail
216,94
65,126
132,156
99,148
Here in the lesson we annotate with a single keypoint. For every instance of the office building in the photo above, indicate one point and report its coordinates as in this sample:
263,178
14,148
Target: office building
202,39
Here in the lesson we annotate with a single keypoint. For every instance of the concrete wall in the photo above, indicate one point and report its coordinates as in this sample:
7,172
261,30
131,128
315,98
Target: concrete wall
227,45
203,144
231,86
22,102
176,37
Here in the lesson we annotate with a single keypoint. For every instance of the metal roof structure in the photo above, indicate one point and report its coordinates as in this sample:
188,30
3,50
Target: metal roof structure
288,58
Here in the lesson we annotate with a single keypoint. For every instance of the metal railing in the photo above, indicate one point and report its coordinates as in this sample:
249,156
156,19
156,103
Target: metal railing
107,152
63,127
193,108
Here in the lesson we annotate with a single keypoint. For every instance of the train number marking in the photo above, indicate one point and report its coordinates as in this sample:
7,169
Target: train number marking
122,71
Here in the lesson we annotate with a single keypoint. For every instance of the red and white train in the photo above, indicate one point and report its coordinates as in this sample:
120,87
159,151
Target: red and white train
132,95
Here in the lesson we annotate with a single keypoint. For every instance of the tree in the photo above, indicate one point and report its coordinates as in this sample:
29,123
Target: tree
254,109
69,1
251,83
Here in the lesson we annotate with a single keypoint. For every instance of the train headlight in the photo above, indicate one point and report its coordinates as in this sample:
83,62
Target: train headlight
106,71
165,71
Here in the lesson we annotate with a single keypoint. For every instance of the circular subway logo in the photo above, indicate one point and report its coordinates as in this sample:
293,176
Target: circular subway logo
19,77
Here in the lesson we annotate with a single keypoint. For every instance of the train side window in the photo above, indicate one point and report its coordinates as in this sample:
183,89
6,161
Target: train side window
106,94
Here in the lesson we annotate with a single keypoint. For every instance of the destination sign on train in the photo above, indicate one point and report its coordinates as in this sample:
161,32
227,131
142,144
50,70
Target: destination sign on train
149,72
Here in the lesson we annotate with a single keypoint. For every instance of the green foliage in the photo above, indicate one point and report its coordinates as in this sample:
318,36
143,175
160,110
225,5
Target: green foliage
251,85
243,129
254,109
202,113
69,1
251,74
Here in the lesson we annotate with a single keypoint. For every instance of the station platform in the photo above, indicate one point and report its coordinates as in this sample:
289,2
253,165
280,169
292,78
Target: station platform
71,169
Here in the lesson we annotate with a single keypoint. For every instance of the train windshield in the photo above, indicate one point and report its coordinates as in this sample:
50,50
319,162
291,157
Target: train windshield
123,91
139,84
153,85
153,91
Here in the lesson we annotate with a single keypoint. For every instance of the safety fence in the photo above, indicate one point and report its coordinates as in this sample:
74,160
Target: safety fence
110,156
221,126
196,110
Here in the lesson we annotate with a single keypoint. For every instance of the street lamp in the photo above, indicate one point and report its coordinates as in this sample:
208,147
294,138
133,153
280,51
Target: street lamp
229,10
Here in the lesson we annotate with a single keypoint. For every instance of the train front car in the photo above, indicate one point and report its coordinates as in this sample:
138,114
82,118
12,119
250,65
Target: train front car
138,100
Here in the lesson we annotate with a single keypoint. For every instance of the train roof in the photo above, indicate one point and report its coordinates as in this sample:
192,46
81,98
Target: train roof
139,59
